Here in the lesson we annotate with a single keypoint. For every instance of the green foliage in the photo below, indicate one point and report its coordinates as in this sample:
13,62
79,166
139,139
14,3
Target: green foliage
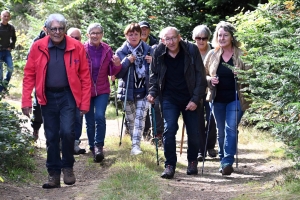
271,35
16,144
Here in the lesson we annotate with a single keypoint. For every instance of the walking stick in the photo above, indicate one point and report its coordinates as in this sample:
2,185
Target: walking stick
208,128
182,137
154,131
236,123
116,103
124,106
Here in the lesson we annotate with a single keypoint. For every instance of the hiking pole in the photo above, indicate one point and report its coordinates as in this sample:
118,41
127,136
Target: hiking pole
236,123
154,131
124,106
116,103
208,128
182,137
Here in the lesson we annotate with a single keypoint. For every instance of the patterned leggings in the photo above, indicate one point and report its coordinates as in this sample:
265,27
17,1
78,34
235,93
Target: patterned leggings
136,112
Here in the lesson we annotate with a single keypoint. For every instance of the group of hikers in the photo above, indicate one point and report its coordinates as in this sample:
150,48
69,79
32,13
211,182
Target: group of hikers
71,80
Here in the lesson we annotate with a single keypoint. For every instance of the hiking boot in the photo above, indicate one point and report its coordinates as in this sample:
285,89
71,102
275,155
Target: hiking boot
227,170
35,135
212,153
192,168
98,154
53,181
77,149
200,157
69,177
168,173
135,150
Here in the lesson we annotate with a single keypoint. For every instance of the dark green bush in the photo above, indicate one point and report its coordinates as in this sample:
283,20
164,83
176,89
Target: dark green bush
271,35
16,144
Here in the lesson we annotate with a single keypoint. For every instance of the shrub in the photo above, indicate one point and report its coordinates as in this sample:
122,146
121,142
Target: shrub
271,35
16,144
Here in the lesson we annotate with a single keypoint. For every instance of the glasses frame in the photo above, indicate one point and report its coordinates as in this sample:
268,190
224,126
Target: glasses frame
172,39
201,38
96,33
59,29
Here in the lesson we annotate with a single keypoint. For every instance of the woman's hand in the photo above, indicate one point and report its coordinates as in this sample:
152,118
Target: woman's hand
116,60
214,80
131,58
148,59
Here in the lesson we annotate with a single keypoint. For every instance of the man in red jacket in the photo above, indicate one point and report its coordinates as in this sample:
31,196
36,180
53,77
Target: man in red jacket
57,68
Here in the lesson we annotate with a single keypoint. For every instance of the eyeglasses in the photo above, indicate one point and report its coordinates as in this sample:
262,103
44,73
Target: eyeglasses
96,33
172,39
201,38
55,29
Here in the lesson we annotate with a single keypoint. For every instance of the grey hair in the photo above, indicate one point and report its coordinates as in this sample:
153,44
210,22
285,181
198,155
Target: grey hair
70,30
228,27
56,17
165,30
5,11
93,26
201,29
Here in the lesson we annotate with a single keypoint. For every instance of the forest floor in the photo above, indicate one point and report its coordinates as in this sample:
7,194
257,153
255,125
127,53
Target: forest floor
256,170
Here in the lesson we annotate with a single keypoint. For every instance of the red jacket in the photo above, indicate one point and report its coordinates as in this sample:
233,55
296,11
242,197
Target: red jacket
77,71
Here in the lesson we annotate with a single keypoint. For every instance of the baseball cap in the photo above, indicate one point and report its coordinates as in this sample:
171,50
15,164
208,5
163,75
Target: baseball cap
144,24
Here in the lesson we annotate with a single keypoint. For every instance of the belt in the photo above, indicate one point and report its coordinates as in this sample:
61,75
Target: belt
57,89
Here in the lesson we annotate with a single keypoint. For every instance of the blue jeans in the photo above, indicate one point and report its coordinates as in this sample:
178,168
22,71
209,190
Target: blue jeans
95,120
171,114
59,119
226,122
6,57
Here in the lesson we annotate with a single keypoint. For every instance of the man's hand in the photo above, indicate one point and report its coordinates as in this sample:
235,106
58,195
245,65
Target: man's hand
27,111
191,106
82,112
150,98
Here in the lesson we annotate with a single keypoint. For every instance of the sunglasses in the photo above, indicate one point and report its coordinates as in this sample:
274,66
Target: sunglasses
201,38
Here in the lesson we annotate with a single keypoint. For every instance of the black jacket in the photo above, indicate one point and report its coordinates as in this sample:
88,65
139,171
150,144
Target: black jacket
194,71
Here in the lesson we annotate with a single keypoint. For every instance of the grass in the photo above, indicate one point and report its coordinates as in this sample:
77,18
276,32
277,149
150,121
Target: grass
131,177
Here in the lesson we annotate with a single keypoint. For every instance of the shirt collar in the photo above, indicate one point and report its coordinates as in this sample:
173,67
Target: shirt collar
61,45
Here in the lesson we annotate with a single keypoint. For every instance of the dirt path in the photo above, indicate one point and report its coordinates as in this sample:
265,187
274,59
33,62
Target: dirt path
254,166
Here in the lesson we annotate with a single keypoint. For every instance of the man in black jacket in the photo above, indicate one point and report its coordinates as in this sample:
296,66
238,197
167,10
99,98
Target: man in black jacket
178,78
7,43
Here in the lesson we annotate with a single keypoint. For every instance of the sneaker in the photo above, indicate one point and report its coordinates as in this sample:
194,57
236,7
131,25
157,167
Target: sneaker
69,177
77,149
212,153
98,154
192,168
53,181
227,170
200,157
35,135
135,150
168,173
